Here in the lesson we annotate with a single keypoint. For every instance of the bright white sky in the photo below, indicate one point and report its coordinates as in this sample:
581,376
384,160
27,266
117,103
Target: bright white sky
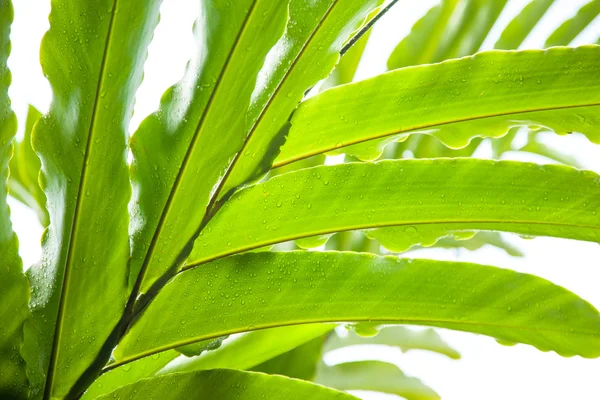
487,370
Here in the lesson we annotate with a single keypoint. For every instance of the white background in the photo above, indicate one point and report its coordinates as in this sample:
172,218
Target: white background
486,370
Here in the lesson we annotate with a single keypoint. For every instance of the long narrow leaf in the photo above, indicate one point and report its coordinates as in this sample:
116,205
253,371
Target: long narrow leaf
456,101
448,194
311,287
14,290
93,56
569,30
521,26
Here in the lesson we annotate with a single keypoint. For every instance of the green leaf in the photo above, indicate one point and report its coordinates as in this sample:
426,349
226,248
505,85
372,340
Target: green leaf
480,96
376,376
312,287
300,362
196,349
521,26
397,336
224,384
250,349
25,170
14,290
93,56
569,30
453,194
450,30
427,35
129,373
348,64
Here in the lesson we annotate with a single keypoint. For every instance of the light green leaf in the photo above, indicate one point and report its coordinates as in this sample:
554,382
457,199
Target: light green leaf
376,376
521,26
224,384
397,336
453,194
569,30
480,96
25,170
250,349
300,362
93,56
450,30
421,44
14,290
312,287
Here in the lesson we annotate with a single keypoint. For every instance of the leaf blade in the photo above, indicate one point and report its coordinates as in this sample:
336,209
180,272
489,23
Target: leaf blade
310,287
453,194
93,57
480,96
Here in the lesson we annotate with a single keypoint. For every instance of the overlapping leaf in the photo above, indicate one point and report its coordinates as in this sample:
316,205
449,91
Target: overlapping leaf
253,64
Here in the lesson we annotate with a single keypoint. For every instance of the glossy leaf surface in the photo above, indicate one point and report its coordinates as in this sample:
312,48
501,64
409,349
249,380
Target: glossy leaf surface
453,194
93,57
300,362
480,96
311,287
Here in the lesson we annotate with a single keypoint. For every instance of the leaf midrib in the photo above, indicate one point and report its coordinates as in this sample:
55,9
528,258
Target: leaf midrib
257,245
74,228
426,126
407,321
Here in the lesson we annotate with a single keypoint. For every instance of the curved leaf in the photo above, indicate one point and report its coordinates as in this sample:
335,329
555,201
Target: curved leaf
480,96
450,194
224,384
376,376
25,170
14,290
397,336
93,56
278,289
250,349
